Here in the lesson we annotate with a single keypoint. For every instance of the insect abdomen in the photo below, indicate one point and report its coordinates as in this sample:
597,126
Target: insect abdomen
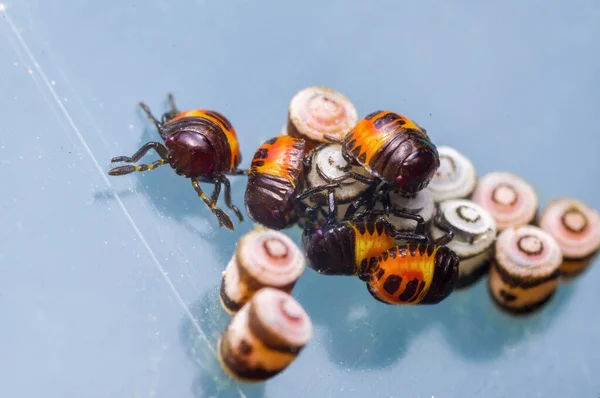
272,181
394,148
413,274
374,132
268,201
370,240
330,250
280,156
444,277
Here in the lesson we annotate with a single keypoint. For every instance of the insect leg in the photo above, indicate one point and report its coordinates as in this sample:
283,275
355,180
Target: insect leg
172,105
307,162
122,170
351,211
368,199
359,178
216,191
238,172
420,228
314,190
223,218
228,202
150,116
389,209
173,111
332,139
402,235
157,146
335,183
368,213
442,224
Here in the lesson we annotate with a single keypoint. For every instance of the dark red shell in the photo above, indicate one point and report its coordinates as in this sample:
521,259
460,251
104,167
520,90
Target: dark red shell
197,147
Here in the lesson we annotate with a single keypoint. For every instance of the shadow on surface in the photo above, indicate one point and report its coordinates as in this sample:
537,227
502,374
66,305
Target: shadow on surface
478,329
364,334
211,380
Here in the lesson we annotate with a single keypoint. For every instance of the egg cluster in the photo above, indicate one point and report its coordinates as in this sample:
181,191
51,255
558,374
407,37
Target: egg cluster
377,200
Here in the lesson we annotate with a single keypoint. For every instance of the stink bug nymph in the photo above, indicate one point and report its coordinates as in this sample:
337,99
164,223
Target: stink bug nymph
274,180
345,248
394,149
198,144
412,274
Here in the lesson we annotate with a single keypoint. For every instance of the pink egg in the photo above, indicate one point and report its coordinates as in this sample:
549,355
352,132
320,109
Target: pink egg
263,258
576,228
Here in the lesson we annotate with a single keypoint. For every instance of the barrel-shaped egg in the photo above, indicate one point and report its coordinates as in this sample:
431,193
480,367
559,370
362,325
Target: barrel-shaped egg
317,112
525,271
264,337
455,178
576,228
263,258
473,235
326,164
508,198
420,204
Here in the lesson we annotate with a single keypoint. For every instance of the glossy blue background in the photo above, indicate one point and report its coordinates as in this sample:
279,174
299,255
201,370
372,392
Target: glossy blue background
108,286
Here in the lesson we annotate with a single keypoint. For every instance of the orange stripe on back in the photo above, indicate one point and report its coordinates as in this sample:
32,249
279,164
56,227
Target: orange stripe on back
365,139
280,157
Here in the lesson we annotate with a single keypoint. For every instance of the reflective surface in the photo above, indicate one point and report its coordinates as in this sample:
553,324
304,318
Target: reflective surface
108,286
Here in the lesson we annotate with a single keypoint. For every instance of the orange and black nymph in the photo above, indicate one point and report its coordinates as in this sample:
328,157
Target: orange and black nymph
348,247
198,144
412,274
275,179
394,149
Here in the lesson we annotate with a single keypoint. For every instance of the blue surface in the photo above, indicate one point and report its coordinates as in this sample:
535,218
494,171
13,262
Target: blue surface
108,285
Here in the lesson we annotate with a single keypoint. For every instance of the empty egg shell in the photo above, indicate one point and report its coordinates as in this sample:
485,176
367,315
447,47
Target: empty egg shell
264,337
576,228
326,163
263,258
473,240
455,178
421,204
315,112
525,269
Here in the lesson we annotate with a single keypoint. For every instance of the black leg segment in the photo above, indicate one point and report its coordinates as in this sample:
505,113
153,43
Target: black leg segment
228,202
157,146
223,218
